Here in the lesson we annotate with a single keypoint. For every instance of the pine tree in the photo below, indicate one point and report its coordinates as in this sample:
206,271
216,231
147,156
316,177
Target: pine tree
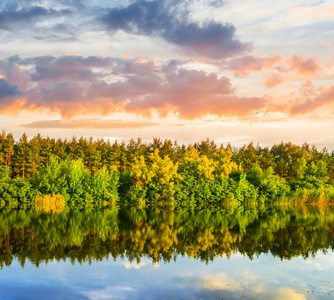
23,158
2,154
73,148
35,145
60,149
7,149
103,148
92,156
46,150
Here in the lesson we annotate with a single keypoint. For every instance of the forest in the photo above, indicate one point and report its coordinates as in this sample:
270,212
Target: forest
86,171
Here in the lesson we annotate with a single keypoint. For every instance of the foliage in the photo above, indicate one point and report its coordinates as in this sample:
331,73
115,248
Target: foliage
155,179
271,187
18,190
103,186
87,171
51,178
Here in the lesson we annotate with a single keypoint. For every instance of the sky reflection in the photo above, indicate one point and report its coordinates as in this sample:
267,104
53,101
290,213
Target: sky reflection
264,277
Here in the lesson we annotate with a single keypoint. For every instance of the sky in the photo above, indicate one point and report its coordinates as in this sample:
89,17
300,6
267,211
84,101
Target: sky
233,71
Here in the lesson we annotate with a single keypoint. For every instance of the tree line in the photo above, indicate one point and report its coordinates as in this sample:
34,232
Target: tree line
85,170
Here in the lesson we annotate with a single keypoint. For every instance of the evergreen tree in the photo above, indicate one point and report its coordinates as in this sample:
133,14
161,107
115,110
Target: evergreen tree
35,145
46,150
23,158
7,150
61,149
73,148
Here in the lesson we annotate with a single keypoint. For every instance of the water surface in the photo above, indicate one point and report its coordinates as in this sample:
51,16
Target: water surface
181,253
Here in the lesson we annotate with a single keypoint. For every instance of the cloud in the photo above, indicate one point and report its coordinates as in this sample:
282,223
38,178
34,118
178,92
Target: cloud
80,4
61,32
15,17
304,65
326,45
288,294
159,19
87,124
8,90
71,67
216,3
209,3
299,64
188,93
274,80
73,85
14,73
325,95
247,64
315,13
308,89
281,69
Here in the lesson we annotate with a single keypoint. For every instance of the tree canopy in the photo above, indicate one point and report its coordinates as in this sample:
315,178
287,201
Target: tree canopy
86,170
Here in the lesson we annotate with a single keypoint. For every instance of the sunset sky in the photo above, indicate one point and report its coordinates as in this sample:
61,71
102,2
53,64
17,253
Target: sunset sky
234,71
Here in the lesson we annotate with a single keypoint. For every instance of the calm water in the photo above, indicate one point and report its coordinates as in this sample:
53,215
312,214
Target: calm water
184,253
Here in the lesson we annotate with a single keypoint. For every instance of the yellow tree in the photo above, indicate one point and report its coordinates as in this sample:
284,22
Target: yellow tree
224,164
156,177
198,165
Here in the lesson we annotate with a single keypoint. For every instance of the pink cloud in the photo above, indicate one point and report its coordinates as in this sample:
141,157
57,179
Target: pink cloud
304,65
281,68
308,89
326,45
324,95
247,64
274,81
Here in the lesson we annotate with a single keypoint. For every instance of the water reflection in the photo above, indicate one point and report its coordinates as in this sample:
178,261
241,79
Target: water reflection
162,235
234,278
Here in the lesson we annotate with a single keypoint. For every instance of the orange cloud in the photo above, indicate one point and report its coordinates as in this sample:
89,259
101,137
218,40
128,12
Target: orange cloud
308,89
13,107
274,81
247,64
281,68
323,96
304,65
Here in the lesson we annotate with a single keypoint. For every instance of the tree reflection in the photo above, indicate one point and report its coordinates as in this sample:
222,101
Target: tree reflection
162,234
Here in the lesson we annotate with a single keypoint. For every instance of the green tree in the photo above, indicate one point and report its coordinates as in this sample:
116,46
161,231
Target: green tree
51,178
77,178
103,186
